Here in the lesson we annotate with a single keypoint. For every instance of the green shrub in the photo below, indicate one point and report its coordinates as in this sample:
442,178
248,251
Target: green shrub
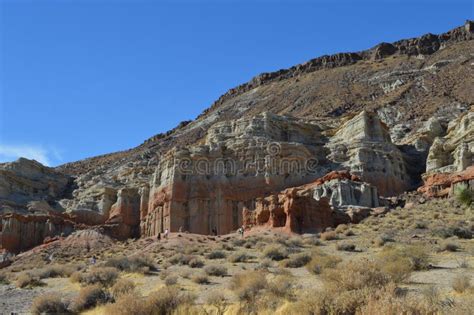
464,195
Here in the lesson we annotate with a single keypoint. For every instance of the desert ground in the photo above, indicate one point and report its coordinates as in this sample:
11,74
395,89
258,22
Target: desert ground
417,259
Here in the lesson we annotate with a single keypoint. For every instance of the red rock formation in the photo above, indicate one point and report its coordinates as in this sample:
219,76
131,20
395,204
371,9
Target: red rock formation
19,232
125,214
441,184
294,210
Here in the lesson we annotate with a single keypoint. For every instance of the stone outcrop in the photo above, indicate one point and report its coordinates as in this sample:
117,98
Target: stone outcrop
203,187
363,146
444,184
293,210
343,192
455,151
304,209
24,181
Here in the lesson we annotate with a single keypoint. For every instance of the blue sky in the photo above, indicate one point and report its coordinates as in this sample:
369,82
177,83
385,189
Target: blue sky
82,78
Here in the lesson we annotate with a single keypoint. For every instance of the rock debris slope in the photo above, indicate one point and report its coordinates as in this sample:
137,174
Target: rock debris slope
321,143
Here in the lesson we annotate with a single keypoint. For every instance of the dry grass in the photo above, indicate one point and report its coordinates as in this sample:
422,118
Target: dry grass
461,283
248,285
122,287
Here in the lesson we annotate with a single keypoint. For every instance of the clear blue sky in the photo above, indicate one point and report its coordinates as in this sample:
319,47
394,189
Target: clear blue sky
82,78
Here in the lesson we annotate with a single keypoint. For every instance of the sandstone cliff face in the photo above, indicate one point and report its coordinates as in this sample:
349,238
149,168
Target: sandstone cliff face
363,145
20,232
455,151
25,181
203,187
385,116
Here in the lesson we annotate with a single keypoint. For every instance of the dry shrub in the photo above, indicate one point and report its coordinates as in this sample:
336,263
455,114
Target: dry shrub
312,241
417,256
196,263
4,279
56,271
171,280
248,285
347,247
165,301
275,252
240,256
294,242
395,265
26,280
388,302
328,236
141,264
50,303
216,270
282,286
297,260
341,228
346,289
218,301
128,304
320,261
105,276
89,297
216,254
449,247
461,283
355,275
200,279
122,287
180,259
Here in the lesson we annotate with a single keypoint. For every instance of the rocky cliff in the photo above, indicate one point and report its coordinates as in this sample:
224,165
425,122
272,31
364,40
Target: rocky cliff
300,148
